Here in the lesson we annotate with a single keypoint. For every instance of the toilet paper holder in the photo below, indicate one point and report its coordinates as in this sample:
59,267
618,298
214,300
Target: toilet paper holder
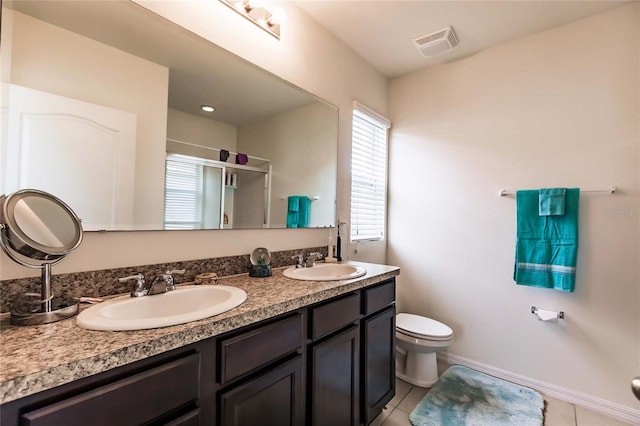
534,311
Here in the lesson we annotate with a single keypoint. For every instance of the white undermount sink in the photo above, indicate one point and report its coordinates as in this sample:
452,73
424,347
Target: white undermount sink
185,304
325,272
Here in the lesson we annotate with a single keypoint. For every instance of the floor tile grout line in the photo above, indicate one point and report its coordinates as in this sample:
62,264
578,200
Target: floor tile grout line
397,407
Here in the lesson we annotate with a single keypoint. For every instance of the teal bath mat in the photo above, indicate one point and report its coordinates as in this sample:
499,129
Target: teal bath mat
465,397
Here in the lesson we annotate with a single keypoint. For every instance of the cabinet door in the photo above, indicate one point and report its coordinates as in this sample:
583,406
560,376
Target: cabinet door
335,380
274,398
378,343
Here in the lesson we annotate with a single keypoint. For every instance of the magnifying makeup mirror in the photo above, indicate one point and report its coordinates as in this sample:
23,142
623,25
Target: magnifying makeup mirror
38,230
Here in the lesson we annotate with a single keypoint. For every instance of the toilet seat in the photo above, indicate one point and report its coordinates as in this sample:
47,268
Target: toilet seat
421,327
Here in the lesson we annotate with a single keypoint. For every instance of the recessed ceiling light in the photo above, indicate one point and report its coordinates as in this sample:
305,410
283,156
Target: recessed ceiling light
207,108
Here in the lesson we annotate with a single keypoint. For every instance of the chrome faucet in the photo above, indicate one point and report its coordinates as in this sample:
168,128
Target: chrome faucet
138,289
311,259
165,282
160,284
301,262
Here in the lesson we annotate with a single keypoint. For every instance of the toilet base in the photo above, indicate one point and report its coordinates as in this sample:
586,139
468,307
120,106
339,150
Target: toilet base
419,369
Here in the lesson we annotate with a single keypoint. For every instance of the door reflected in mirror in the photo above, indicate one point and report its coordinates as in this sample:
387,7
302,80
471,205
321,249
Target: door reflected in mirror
108,93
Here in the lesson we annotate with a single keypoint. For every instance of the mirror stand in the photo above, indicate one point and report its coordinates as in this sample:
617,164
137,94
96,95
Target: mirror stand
38,308
38,226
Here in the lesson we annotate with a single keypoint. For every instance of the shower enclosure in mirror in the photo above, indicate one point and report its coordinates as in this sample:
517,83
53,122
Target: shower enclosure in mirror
103,105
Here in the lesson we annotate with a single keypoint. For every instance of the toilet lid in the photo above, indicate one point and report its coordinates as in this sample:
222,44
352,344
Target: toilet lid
417,326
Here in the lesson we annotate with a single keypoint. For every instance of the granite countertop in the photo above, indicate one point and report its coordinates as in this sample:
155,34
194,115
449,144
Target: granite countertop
37,358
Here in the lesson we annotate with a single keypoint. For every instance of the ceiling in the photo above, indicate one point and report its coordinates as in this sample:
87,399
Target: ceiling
382,32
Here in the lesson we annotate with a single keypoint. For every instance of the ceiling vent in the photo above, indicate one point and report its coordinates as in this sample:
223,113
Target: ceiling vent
437,42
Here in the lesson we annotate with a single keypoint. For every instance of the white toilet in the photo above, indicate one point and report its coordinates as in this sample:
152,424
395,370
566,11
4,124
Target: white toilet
417,340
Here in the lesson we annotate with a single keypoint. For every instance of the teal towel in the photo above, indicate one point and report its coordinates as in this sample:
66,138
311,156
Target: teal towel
292,219
551,201
546,246
304,212
292,213
294,203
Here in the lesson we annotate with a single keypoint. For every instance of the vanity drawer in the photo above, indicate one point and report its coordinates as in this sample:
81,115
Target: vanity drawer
253,349
379,297
130,401
334,315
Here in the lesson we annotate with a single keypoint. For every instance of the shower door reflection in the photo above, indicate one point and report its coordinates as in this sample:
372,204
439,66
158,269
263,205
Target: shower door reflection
208,194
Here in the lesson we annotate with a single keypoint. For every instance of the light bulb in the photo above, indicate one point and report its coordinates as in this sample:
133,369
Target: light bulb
207,108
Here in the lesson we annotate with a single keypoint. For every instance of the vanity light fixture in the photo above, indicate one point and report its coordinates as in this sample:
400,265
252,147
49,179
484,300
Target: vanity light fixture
207,108
254,11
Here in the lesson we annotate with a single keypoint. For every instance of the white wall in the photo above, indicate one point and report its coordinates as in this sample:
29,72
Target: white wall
199,131
300,142
306,55
559,108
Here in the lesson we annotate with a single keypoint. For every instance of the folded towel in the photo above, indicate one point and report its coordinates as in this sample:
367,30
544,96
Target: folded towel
546,246
292,212
304,212
551,201
294,203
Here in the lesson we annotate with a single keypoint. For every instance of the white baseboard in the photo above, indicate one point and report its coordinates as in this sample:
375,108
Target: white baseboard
608,408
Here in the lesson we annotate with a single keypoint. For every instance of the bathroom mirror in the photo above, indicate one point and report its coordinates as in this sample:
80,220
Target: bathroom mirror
38,230
97,95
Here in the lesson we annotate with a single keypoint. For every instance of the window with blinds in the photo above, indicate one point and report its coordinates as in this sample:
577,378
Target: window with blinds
183,195
368,174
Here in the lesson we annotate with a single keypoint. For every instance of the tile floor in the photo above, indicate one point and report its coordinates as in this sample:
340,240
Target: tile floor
557,412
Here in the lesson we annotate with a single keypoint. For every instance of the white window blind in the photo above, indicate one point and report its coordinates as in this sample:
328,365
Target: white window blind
183,195
368,174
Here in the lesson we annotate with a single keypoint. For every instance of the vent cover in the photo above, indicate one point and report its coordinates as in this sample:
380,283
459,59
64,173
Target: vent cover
437,42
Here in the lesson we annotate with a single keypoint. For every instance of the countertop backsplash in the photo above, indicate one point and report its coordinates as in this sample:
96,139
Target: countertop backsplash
105,282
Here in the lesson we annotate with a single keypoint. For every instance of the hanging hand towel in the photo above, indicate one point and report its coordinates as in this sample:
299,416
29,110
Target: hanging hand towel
294,203
304,212
546,246
292,212
551,201
292,219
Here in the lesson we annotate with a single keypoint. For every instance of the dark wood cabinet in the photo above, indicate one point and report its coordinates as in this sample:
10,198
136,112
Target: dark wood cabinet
274,398
335,380
134,400
332,316
170,388
261,374
352,357
330,363
246,351
378,363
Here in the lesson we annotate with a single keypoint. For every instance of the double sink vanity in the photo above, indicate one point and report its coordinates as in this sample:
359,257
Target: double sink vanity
297,351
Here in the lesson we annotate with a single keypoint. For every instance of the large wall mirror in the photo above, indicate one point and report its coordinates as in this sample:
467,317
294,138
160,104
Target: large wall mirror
101,106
